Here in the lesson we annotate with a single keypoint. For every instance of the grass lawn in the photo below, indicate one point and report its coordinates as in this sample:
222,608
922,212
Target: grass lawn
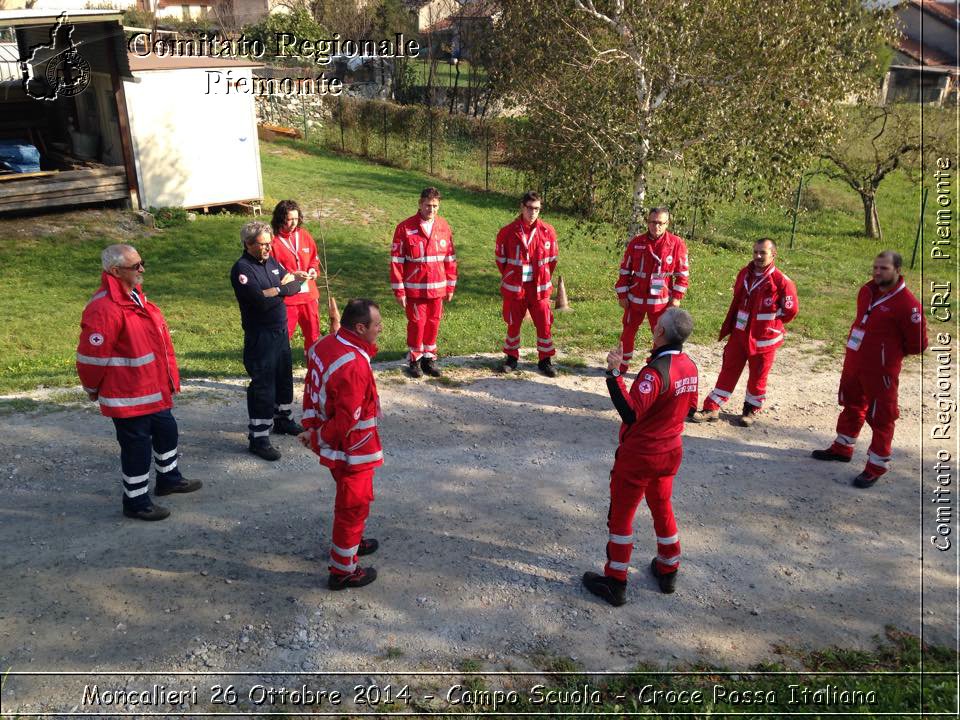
49,265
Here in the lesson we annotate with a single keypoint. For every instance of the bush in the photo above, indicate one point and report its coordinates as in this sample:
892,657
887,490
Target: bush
169,217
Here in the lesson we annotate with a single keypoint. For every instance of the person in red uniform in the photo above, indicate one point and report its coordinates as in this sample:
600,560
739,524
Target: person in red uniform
889,324
423,273
654,275
295,250
341,410
126,364
649,454
526,254
764,300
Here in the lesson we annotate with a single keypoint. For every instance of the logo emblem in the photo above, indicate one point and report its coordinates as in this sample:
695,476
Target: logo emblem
645,387
768,301
916,317
66,74
243,279
546,245
788,304
96,339
443,243
669,259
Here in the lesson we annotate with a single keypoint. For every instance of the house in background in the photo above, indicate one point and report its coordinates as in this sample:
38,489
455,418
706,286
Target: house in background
924,67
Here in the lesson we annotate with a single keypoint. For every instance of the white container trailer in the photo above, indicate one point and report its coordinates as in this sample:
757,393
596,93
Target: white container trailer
194,134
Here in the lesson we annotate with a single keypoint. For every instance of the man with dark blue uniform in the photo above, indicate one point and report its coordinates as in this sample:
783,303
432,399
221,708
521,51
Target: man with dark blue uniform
260,284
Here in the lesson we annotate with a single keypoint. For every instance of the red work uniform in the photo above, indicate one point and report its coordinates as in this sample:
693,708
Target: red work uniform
652,273
298,251
887,327
526,258
762,304
649,455
423,270
341,409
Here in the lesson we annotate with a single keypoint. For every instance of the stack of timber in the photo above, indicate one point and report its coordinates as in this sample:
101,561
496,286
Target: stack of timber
28,191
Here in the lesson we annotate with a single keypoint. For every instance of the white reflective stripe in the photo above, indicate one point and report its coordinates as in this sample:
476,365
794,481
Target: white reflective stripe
136,493
336,365
681,273
543,340
396,286
679,289
426,258
97,296
877,460
544,261
513,339
668,561
622,288
131,402
845,440
627,356
625,272
340,566
429,347
511,346
514,261
873,408
718,399
621,539
768,343
362,441
546,286
259,433
90,390
514,288
167,468
668,540
164,456
452,283
309,413
396,258
766,316
640,274
618,565
415,349
364,424
425,286
261,421
136,479
344,552
500,259
755,400
720,393
285,406
116,361
350,459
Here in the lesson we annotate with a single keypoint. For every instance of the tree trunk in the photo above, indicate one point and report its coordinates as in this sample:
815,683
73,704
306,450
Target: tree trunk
639,199
871,221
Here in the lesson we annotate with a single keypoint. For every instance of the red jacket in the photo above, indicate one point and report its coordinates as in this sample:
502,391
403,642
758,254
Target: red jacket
887,327
650,263
421,267
341,407
660,398
125,353
298,251
539,253
760,308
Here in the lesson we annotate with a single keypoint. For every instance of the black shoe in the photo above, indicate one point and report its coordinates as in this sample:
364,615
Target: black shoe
265,450
611,590
865,480
283,425
358,578
184,486
368,546
429,366
667,581
413,369
828,455
508,365
546,368
749,416
151,512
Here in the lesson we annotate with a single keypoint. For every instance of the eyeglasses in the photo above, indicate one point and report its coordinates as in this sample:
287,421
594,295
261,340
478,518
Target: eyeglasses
136,266
532,208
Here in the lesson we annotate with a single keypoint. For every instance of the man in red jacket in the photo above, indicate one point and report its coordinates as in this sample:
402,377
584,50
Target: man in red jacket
294,248
649,454
126,363
526,254
764,300
423,273
341,410
654,275
889,324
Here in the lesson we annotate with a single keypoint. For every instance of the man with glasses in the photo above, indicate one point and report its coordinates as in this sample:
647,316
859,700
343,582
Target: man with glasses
260,284
526,254
126,363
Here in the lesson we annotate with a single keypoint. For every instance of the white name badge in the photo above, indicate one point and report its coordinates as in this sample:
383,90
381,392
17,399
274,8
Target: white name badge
742,317
305,286
856,337
656,285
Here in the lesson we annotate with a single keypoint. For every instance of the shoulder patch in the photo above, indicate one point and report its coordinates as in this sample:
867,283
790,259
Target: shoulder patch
96,339
242,278
645,387
915,316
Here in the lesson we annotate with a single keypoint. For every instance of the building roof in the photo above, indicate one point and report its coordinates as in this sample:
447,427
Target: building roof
923,54
947,12
152,62
178,3
477,10
34,16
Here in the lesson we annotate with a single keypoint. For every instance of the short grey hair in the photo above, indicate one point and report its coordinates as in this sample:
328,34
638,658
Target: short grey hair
254,229
677,325
659,209
114,255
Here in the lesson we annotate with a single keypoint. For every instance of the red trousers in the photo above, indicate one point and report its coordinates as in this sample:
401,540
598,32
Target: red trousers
423,324
734,358
513,313
632,319
632,479
308,319
350,511
871,398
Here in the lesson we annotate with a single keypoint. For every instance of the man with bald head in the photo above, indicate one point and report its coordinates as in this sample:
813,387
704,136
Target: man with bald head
126,364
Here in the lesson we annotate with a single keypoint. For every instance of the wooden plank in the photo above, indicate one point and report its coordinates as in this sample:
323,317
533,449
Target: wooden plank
68,175
21,176
21,189
61,200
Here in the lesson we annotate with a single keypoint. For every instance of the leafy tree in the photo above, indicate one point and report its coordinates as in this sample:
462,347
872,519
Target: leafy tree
736,95
299,21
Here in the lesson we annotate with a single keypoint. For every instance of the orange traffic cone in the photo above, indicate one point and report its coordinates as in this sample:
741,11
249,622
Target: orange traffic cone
562,304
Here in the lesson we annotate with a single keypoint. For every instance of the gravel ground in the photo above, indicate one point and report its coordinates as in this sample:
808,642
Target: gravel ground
490,506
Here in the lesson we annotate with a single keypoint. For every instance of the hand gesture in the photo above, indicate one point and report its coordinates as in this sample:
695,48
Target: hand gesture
615,357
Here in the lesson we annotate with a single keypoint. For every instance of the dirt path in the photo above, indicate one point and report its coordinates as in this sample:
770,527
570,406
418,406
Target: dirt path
490,506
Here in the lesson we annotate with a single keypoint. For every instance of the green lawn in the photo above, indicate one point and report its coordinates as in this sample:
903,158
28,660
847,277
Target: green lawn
49,265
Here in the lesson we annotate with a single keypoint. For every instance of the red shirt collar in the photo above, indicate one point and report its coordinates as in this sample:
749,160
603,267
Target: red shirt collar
114,288
354,339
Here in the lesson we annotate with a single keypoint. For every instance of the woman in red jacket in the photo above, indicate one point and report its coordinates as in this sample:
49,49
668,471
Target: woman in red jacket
295,249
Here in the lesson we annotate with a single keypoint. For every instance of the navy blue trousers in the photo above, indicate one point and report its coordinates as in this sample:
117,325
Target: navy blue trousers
267,359
141,439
